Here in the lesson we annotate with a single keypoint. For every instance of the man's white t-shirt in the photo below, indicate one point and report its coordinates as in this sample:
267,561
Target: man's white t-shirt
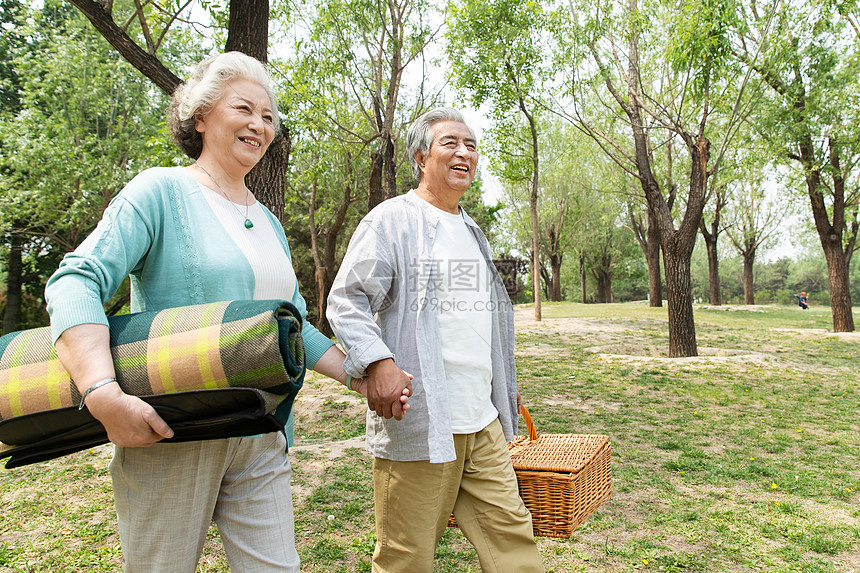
462,301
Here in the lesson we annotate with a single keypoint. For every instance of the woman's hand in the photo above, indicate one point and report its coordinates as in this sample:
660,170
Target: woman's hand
331,364
129,421
84,351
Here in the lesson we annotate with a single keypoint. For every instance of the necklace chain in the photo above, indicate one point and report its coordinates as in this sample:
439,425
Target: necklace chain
248,223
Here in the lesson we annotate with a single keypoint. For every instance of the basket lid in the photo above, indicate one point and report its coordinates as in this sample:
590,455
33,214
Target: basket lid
558,452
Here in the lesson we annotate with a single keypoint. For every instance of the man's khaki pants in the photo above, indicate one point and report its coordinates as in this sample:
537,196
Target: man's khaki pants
413,501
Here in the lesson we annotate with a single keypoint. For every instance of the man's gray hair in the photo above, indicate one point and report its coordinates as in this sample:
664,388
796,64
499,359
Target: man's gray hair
197,96
420,135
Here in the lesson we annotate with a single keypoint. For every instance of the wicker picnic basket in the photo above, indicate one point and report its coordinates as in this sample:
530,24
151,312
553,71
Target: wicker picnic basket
562,478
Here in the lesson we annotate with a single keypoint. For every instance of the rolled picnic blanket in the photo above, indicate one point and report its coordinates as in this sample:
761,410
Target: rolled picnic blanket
211,371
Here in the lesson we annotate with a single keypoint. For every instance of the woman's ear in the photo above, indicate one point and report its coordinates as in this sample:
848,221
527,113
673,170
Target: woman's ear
200,123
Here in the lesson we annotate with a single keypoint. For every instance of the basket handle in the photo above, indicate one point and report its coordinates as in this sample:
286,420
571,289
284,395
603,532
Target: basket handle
529,422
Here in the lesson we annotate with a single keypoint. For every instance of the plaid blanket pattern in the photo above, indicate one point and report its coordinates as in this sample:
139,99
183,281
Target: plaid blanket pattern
254,344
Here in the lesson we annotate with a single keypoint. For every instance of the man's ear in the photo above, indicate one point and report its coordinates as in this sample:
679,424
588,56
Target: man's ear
419,159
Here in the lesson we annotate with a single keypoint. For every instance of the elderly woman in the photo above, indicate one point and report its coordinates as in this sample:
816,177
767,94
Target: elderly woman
189,235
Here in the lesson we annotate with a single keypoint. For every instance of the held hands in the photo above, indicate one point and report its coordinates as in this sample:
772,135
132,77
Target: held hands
128,420
387,388
360,385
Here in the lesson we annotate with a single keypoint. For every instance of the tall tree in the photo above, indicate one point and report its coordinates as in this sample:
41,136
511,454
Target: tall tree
567,186
606,240
247,31
711,234
498,47
812,68
346,112
661,104
755,219
647,233
373,43
83,121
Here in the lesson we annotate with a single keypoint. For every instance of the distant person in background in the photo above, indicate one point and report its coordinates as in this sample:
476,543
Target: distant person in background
801,300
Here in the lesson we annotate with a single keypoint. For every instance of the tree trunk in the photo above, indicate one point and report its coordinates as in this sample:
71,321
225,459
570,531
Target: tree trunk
830,234
749,282
555,261
320,281
248,28
323,283
535,257
840,294
533,206
678,244
546,281
648,237
582,277
604,286
652,257
678,249
556,256
325,264
682,327
390,169
383,171
713,268
375,194
268,179
14,280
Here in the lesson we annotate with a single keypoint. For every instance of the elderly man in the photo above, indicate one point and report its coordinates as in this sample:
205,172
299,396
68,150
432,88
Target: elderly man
417,293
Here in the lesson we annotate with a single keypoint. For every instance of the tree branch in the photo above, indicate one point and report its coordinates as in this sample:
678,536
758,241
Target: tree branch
147,64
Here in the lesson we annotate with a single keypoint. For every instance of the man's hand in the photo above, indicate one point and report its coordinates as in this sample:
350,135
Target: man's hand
387,386
360,385
130,422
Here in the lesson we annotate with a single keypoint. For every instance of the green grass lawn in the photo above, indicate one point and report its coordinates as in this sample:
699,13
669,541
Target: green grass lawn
746,458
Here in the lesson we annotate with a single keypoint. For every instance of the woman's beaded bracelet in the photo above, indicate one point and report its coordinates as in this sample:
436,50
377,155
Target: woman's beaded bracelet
98,384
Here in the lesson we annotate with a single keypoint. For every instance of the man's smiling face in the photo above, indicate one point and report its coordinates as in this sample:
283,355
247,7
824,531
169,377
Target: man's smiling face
450,164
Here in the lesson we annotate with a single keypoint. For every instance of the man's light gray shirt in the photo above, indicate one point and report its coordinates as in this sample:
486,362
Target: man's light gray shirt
381,305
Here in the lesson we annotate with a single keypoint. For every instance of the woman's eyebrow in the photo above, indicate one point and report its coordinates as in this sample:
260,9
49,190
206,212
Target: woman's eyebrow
247,101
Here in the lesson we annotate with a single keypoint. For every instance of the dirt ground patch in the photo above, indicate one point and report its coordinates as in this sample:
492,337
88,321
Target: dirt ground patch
807,332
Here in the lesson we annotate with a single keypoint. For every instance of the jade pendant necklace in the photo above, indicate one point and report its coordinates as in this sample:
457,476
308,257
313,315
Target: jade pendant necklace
248,223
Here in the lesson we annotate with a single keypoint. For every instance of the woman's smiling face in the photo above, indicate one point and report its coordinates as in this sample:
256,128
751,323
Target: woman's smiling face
239,127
